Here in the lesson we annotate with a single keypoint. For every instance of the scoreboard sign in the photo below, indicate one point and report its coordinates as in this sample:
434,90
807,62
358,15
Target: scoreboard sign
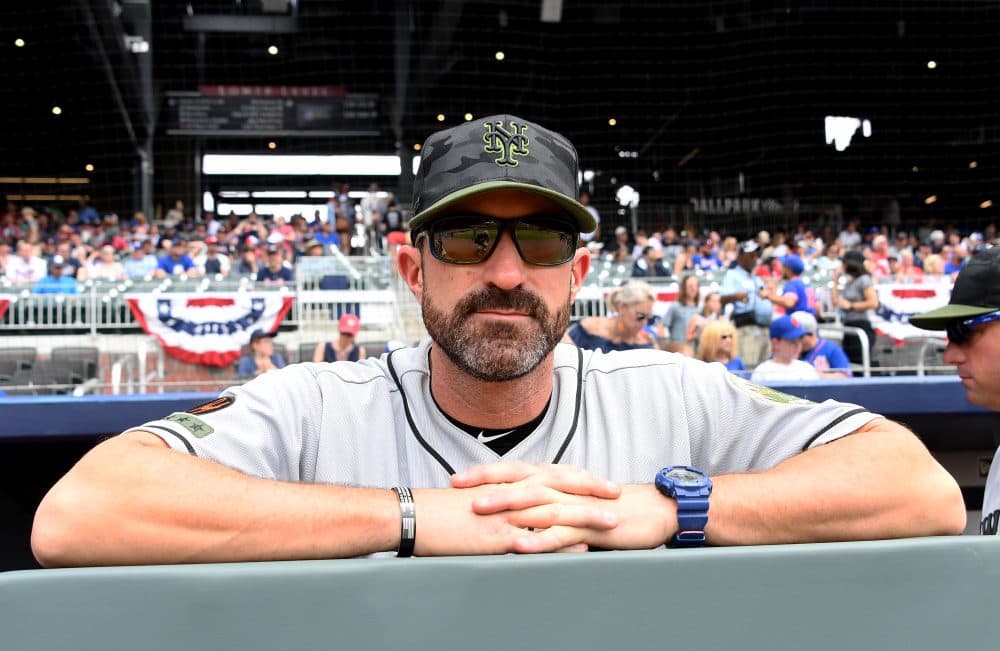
271,111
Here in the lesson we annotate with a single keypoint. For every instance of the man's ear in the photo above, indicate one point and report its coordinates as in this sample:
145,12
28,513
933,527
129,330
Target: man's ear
410,270
578,271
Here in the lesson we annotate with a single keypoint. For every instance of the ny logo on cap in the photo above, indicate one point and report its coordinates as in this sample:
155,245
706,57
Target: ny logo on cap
506,142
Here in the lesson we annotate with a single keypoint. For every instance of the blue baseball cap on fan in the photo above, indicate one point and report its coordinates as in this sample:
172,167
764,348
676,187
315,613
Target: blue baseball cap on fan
794,263
787,327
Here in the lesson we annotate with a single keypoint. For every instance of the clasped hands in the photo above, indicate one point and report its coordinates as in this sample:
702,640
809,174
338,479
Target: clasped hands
513,506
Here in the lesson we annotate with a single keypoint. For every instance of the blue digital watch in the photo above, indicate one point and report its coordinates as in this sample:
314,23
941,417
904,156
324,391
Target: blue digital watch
690,488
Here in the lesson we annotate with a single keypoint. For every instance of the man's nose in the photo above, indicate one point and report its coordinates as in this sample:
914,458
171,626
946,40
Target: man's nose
954,354
505,268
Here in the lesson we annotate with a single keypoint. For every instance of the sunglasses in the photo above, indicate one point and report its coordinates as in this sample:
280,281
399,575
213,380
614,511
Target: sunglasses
542,240
960,331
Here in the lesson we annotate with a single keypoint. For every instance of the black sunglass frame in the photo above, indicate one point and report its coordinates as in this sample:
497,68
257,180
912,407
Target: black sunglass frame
559,225
959,331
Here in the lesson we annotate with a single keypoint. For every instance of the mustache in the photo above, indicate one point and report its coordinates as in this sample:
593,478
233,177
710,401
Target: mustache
494,298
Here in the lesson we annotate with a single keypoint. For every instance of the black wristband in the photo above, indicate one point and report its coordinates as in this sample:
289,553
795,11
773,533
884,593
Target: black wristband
408,527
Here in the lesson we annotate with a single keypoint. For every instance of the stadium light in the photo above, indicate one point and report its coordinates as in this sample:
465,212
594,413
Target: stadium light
288,165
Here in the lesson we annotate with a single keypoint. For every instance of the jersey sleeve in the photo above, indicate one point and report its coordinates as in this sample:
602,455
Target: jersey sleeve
737,425
269,427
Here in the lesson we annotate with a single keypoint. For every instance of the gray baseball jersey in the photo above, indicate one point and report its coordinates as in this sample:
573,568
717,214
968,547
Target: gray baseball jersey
622,415
991,500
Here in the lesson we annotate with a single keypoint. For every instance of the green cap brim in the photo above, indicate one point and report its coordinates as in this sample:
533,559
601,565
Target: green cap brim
938,319
573,209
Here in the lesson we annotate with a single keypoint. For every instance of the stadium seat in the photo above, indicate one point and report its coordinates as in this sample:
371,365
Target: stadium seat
306,349
83,360
16,357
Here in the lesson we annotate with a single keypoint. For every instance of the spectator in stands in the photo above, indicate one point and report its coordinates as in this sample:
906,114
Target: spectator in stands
177,262
344,348
830,260
650,263
793,296
262,357
621,248
711,310
314,248
102,265
247,265
213,262
706,258
275,271
855,299
141,264
25,267
908,271
786,345
684,262
730,251
302,462
850,238
680,312
718,343
326,235
829,359
934,268
972,322
5,256
630,307
54,282
87,213
751,311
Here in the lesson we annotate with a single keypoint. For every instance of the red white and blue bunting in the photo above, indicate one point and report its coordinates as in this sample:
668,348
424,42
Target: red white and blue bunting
208,329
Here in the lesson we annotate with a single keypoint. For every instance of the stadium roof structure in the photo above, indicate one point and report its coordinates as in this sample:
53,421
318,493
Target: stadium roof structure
680,100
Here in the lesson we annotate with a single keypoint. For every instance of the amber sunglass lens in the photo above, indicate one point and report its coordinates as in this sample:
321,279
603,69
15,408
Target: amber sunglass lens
465,244
544,245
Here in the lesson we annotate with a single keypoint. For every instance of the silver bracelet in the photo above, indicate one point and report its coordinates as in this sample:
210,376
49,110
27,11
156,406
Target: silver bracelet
408,528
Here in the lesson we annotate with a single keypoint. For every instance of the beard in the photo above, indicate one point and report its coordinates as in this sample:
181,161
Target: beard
496,351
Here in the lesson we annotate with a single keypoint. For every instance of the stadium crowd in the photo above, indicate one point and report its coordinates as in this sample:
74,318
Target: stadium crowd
758,279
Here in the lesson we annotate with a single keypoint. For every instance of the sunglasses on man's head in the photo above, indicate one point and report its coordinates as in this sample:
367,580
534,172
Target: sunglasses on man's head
960,331
542,240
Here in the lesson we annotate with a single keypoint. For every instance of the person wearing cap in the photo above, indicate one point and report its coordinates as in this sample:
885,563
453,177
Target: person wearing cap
489,436
176,262
855,297
972,321
751,313
211,261
141,264
786,344
262,357
55,282
829,359
793,297
345,348
275,270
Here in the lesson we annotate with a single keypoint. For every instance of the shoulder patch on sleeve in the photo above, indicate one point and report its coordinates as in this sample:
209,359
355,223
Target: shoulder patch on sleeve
765,393
198,428
212,405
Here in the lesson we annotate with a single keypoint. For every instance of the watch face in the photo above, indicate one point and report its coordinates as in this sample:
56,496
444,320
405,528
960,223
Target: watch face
686,477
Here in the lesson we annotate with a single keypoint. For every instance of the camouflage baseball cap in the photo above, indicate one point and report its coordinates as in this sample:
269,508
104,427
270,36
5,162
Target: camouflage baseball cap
500,151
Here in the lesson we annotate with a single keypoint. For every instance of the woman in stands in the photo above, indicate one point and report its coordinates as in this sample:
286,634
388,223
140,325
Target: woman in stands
711,310
630,308
855,300
718,344
344,348
681,311
102,265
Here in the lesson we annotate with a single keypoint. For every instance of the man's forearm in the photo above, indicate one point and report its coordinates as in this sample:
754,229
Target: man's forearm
879,482
132,500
